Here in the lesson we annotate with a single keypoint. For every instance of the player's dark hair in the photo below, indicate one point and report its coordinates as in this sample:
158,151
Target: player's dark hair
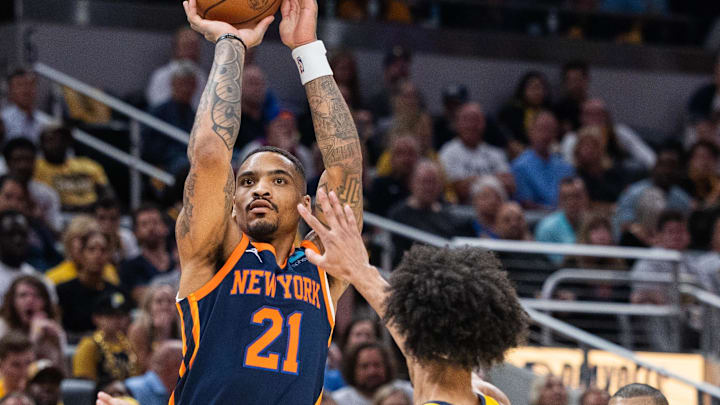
13,342
18,143
668,216
636,390
455,306
292,158
580,65
350,361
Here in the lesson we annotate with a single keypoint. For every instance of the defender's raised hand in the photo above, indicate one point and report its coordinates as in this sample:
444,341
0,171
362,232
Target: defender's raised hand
299,22
212,30
345,253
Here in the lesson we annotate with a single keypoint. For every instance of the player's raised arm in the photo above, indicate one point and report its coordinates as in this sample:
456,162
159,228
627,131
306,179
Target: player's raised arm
335,130
202,229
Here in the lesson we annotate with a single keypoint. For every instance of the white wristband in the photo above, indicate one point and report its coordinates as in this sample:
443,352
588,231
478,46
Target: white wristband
311,61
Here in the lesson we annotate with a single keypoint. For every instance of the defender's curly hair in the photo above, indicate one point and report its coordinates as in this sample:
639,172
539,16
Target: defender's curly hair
455,306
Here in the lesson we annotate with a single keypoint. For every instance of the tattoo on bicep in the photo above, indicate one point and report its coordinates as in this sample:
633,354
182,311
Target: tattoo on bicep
225,89
350,190
188,195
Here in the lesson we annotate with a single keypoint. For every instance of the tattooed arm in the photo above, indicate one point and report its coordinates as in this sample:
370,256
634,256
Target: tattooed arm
204,231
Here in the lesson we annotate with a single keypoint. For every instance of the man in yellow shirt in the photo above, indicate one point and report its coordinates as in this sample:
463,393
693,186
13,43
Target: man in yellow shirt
16,355
79,181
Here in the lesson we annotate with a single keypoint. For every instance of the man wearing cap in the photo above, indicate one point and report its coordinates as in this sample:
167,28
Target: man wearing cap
154,387
107,355
44,380
396,68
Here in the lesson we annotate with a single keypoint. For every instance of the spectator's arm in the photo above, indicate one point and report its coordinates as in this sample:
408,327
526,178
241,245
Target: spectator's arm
85,360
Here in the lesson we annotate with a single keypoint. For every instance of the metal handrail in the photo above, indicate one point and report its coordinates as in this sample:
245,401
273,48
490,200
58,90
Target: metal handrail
112,102
404,230
701,295
599,308
596,275
580,335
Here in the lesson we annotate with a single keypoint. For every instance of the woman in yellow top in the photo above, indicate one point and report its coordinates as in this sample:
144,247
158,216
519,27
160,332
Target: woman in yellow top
66,271
445,333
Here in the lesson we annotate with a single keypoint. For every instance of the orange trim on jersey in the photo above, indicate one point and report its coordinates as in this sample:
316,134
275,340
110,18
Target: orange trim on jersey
260,246
194,312
319,400
181,373
172,399
224,270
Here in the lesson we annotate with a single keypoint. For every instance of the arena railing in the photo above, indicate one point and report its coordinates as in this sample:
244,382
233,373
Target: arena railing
136,118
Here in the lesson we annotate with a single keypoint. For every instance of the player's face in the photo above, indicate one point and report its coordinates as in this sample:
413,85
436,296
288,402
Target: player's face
267,192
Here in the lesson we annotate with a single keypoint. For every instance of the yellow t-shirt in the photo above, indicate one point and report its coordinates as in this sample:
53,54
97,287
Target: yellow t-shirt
67,271
89,362
75,180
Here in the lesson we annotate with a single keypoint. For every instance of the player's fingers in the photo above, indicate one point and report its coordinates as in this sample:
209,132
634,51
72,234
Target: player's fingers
286,8
263,26
314,258
330,217
350,215
337,209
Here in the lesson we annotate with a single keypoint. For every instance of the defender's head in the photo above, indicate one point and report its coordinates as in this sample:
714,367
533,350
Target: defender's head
270,184
638,394
455,307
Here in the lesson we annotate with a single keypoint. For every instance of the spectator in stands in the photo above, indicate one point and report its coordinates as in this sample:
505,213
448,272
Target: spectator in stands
178,111
389,395
576,84
41,253
425,210
703,103
28,309
186,49
44,381
702,181
595,230
672,233
14,232
532,95
366,368
548,390
16,398
361,330
510,222
157,322
154,387
386,190
407,109
344,67
79,181
259,106
467,157
76,231
621,143
488,195
282,132
538,170
107,355
453,97
665,177
635,6
20,117
20,155
708,264
16,355
78,296
604,177
396,68
155,256
563,225
638,394
594,396
107,214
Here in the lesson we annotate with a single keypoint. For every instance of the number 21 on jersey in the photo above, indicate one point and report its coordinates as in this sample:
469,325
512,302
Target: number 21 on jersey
276,326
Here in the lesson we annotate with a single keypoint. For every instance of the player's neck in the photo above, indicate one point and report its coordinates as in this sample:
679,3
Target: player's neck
283,246
439,382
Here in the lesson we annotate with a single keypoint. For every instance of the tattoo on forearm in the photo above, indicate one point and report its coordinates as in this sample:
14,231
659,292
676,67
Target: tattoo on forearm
187,211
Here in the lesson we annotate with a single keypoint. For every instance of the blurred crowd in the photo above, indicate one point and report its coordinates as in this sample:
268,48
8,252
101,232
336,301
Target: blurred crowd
88,287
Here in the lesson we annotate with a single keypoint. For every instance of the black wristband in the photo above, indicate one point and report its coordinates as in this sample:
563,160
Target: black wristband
232,36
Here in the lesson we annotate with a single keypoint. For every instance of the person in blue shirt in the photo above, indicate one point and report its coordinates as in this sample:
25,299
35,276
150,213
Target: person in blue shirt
538,171
154,387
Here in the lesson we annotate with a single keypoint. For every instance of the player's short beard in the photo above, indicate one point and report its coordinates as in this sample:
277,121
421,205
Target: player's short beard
262,230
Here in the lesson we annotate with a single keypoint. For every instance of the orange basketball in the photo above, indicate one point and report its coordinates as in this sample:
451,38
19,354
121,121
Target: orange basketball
240,13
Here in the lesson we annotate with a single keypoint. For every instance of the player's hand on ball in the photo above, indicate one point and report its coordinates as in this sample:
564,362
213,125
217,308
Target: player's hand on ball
345,253
299,22
212,30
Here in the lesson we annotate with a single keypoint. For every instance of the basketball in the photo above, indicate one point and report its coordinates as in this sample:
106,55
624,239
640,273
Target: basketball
239,13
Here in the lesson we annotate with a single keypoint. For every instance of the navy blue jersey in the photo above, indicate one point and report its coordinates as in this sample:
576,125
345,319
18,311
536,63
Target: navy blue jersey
257,332
484,400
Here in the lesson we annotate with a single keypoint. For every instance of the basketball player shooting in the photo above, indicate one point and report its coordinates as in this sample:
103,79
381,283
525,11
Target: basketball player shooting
450,311
257,316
